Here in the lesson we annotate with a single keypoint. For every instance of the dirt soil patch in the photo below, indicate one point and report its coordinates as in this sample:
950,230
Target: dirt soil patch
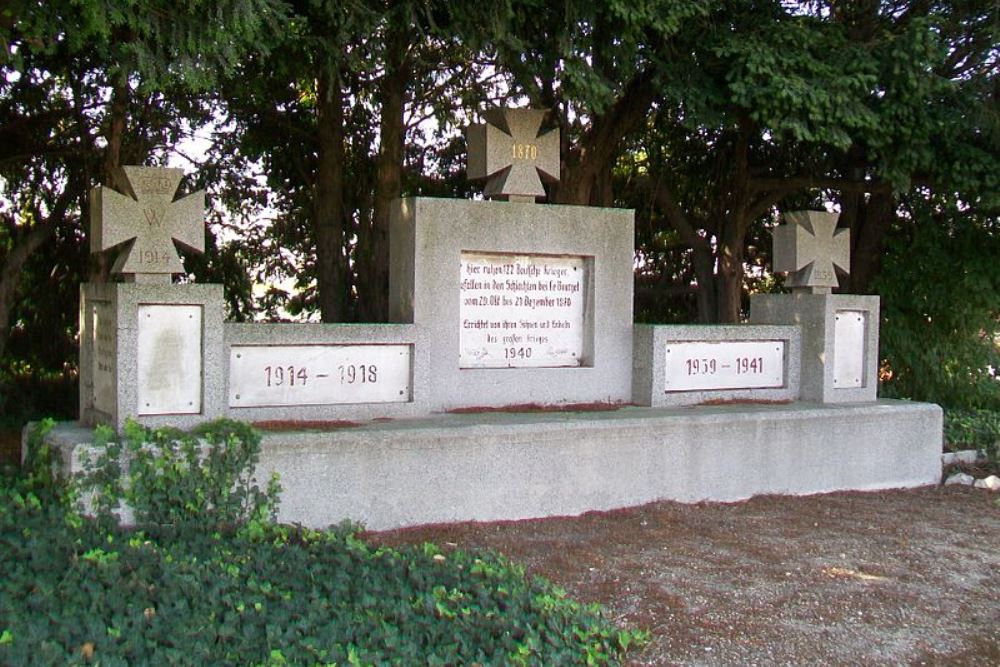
901,577
10,446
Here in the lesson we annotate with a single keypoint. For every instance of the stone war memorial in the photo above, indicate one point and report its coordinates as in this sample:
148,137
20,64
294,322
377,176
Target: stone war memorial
511,381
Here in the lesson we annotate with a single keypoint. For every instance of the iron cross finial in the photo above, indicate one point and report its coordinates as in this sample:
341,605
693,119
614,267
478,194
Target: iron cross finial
509,151
150,219
808,248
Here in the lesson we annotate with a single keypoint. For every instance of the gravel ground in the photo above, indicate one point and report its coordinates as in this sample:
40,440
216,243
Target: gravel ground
901,577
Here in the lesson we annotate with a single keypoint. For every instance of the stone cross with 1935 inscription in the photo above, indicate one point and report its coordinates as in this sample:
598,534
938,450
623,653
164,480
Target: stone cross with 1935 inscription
508,150
808,248
150,219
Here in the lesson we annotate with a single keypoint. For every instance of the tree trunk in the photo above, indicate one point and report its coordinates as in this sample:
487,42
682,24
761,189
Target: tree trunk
595,156
22,247
869,221
100,263
730,280
733,230
328,200
117,118
701,252
373,288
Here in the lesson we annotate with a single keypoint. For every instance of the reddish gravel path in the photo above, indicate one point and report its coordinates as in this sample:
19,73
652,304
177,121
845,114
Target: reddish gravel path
901,577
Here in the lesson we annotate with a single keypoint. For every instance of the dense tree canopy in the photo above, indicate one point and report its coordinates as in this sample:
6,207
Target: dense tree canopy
707,118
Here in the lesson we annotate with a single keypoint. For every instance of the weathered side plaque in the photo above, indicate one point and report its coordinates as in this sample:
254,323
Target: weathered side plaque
289,375
169,359
105,355
703,366
522,311
848,349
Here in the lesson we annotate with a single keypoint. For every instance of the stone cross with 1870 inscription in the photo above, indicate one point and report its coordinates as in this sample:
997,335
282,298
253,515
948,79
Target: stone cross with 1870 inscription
808,248
509,151
149,218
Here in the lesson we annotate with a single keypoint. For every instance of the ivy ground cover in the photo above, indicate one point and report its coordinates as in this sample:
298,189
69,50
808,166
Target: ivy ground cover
82,591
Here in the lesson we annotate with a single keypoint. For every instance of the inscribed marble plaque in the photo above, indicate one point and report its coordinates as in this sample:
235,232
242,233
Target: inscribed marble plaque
522,311
169,359
104,356
702,366
292,375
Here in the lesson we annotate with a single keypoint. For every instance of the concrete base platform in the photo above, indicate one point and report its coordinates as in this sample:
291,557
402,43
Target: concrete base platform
495,466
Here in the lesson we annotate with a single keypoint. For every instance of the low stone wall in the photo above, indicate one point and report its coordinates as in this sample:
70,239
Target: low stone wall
484,467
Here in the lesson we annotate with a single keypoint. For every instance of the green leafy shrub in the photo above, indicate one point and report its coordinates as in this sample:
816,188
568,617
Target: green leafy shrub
272,595
940,288
282,596
37,474
973,429
77,591
169,478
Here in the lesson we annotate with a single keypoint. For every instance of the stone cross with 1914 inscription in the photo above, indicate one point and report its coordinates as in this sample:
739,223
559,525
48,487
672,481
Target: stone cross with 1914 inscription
508,150
149,218
808,248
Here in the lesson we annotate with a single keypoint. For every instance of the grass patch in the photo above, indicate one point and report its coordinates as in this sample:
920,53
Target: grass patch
83,591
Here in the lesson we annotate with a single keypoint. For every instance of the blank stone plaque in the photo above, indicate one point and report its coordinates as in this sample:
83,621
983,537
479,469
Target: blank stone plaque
169,359
290,375
849,349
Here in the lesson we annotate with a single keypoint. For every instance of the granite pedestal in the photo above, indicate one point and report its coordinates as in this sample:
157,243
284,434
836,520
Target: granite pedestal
485,467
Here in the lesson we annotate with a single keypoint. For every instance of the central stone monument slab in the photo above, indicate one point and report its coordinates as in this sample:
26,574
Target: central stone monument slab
509,293
526,303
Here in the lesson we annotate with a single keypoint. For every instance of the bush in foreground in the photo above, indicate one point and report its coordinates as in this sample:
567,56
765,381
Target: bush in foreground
257,593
